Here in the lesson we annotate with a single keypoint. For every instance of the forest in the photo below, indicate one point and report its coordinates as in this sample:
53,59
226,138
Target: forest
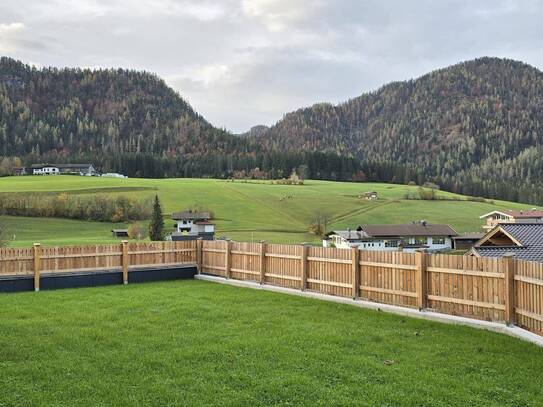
474,128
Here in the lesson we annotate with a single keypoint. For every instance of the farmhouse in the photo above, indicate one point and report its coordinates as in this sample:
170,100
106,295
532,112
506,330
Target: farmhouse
407,237
192,225
523,240
55,169
509,216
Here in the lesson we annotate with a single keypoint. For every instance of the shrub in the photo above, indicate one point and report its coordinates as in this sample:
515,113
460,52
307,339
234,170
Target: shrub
137,231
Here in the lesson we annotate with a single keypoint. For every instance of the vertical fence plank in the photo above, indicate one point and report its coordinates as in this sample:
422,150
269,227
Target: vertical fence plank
420,262
228,259
509,288
303,266
262,267
37,266
126,260
355,275
199,245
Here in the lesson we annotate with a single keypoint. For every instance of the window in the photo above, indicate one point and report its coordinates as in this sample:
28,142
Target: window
391,243
438,240
421,240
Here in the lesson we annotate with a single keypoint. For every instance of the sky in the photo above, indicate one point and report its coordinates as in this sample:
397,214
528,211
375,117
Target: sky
240,63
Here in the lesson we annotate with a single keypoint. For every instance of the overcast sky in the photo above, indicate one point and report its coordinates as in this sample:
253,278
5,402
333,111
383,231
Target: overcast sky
246,62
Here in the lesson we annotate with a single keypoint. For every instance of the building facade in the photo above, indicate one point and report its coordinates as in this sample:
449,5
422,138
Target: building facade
405,237
192,225
494,218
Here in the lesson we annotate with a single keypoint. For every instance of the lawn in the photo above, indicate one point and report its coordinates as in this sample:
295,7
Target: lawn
253,211
201,343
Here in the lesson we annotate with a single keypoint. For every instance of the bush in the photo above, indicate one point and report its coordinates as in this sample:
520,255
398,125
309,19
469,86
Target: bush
137,231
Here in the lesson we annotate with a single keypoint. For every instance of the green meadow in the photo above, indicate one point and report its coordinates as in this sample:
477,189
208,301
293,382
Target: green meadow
249,211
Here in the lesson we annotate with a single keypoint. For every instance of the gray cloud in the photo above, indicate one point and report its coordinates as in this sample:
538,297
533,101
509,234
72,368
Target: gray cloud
246,62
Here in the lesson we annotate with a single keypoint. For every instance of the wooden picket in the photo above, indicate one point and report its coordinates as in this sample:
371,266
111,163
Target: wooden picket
69,259
492,289
529,296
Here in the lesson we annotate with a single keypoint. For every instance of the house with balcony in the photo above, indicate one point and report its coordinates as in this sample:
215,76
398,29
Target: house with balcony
405,237
192,225
494,218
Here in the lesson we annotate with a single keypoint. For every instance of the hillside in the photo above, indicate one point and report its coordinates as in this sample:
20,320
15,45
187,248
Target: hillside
247,211
120,119
475,128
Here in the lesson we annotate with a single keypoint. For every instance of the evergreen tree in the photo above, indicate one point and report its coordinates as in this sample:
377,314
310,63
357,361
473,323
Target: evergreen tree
156,227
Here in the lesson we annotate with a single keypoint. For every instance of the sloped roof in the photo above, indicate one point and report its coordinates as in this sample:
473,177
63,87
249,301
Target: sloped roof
528,214
409,229
190,215
36,166
530,235
469,236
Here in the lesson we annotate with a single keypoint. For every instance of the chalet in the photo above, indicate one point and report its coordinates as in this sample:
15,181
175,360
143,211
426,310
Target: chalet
494,218
192,225
406,237
55,169
523,240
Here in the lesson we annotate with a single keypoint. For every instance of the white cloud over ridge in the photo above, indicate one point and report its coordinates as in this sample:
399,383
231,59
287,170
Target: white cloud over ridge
247,62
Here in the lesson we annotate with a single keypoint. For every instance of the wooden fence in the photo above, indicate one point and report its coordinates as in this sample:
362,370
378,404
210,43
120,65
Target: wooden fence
40,260
491,289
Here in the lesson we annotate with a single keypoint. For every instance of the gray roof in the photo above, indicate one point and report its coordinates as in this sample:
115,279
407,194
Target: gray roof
469,236
406,230
190,215
35,166
530,235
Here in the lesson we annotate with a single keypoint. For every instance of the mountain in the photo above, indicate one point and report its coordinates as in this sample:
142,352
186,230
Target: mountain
99,115
475,128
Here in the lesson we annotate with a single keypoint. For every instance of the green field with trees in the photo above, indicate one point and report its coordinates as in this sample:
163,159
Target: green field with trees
242,210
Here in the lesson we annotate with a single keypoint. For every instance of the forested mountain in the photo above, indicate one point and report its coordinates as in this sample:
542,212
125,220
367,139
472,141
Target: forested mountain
474,128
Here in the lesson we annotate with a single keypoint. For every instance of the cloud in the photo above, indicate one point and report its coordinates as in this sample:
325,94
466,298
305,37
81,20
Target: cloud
246,62
10,36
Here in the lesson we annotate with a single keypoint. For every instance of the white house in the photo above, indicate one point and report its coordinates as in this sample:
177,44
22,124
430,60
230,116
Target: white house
406,237
55,169
46,170
193,225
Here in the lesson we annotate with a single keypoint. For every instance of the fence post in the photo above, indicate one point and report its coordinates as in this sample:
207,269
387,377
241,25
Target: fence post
422,288
262,262
304,266
199,254
228,258
355,256
37,266
509,264
126,261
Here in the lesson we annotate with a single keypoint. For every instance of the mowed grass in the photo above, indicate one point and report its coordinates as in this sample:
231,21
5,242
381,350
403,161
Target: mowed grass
201,343
254,211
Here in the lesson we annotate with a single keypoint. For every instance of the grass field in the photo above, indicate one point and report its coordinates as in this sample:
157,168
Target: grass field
247,211
200,343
